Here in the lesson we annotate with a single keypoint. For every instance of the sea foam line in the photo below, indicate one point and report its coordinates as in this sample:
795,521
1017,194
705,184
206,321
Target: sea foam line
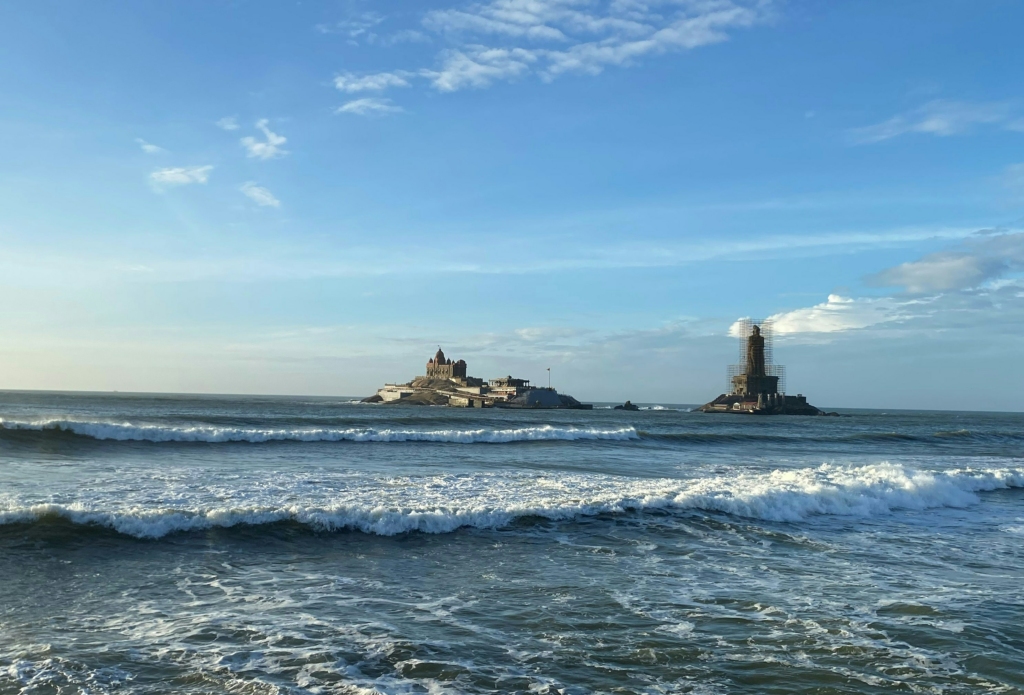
441,504
127,431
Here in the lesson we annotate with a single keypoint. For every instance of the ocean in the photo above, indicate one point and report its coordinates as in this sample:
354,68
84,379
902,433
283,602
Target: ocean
154,544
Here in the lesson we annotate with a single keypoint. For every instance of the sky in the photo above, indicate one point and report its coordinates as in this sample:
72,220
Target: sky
310,197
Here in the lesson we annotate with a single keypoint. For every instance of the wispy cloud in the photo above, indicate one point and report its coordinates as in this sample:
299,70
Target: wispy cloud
940,117
505,40
355,28
479,66
149,148
228,123
180,176
259,195
378,82
369,106
553,37
269,148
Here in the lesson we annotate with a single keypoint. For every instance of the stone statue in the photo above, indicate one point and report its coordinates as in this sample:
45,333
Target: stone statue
755,353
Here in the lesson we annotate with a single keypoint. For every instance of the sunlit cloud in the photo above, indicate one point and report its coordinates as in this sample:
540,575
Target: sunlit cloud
835,314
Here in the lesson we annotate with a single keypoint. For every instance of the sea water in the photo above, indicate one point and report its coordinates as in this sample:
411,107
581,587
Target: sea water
153,544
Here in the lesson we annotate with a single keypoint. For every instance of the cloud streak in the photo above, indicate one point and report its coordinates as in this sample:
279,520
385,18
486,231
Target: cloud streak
554,37
507,40
369,106
259,195
942,118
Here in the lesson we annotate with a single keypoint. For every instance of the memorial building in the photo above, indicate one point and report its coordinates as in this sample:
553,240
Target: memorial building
440,368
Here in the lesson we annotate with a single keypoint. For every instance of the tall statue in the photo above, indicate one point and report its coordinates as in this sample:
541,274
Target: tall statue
755,353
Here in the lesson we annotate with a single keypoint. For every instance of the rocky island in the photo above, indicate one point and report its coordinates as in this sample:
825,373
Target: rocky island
447,383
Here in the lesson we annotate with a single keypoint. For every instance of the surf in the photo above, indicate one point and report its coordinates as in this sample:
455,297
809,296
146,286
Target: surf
210,434
444,503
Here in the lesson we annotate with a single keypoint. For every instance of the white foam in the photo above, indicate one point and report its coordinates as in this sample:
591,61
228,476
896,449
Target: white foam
128,431
165,502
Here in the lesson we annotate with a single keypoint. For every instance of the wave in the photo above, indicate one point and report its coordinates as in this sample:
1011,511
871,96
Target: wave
214,433
127,431
441,504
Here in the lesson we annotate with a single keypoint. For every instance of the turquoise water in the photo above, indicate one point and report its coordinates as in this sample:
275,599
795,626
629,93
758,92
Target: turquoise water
261,545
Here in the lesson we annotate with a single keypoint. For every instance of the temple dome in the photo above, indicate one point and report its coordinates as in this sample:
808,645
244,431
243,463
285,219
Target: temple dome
439,357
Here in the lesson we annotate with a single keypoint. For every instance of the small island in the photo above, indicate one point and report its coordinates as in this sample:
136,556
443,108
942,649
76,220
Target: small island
447,383
757,385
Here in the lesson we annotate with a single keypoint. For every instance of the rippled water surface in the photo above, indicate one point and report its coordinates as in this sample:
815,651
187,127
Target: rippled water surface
259,545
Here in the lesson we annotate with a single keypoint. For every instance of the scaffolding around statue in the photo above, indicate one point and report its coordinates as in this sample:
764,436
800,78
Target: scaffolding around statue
755,371
756,384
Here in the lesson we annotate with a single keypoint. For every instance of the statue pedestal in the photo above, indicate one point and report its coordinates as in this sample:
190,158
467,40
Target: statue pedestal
747,384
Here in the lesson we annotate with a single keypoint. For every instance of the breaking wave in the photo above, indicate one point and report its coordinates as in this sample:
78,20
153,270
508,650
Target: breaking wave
441,504
127,431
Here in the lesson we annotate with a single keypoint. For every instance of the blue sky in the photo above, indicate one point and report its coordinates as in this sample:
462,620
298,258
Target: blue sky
256,197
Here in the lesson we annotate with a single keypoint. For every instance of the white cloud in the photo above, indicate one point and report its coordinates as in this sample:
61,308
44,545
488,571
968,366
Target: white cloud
268,149
479,66
940,117
705,25
369,106
836,314
228,123
149,148
553,37
961,287
180,176
369,83
259,195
